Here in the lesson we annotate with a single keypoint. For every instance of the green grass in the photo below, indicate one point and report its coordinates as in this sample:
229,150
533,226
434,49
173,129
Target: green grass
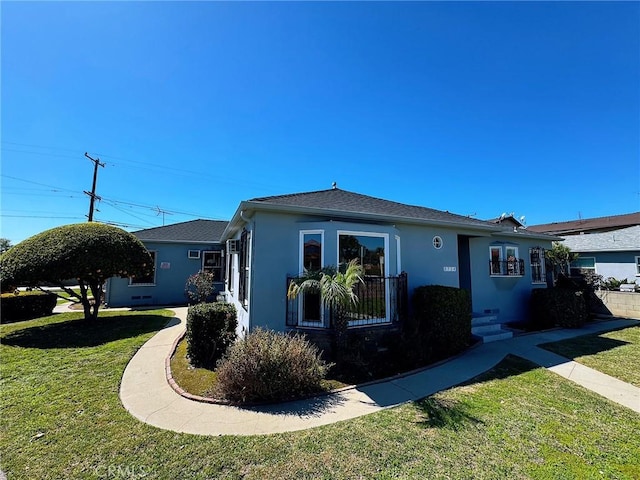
66,297
615,353
197,381
61,418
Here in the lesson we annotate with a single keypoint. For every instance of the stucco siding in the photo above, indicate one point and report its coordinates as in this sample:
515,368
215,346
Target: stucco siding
506,296
172,269
619,265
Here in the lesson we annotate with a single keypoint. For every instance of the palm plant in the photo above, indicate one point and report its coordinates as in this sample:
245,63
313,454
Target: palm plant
336,291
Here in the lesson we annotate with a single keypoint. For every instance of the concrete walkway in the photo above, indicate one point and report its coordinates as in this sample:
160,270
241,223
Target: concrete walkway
146,394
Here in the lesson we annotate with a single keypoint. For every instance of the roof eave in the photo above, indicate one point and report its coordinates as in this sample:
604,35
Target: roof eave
248,206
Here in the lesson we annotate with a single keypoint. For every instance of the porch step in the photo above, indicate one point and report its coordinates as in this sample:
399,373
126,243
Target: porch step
488,329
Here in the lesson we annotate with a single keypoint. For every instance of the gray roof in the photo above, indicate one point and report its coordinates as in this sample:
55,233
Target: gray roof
589,224
192,231
339,200
624,239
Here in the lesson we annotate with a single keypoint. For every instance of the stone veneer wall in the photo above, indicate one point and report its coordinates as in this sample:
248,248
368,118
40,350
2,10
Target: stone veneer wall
623,304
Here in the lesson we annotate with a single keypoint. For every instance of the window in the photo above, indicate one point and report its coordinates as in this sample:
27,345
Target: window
536,259
194,254
495,256
230,272
311,250
369,249
373,293
637,266
147,279
437,242
583,265
504,261
212,263
243,268
311,253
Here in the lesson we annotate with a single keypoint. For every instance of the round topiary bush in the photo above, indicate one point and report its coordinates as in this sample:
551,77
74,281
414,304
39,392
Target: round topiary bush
270,366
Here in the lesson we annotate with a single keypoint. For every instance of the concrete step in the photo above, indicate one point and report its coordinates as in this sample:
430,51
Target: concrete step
494,335
485,328
480,319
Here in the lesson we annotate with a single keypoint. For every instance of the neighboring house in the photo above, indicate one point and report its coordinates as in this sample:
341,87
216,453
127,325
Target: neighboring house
273,239
178,251
608,246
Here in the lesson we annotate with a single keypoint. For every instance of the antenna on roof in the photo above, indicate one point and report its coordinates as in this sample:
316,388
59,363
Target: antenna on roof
163,213
334,185
503,216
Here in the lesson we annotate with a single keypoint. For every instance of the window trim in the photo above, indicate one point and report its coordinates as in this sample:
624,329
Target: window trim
190,255
154,253
219,268
354,233
301,269
637,266
503,259
385,274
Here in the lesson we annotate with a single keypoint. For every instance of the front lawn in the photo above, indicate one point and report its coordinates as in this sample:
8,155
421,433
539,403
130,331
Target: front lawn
615,353
62,418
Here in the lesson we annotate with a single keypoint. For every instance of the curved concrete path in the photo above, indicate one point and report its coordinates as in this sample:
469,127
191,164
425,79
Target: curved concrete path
146,394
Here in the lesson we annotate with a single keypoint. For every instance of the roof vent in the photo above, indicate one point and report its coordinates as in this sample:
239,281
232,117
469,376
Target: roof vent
334,185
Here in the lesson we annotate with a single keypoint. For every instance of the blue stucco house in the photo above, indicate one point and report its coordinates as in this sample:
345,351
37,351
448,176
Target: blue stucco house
271,240
607,246
178,251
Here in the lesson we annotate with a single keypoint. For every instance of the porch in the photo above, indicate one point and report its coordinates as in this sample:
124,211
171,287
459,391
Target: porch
381,301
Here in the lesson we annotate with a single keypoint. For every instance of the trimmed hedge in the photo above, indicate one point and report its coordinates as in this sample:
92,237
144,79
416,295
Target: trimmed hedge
442,320
26,305
558,306
270,366
211,328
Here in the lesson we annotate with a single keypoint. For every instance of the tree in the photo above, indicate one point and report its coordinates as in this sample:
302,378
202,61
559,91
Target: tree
5,244
88,252
336,291
559,258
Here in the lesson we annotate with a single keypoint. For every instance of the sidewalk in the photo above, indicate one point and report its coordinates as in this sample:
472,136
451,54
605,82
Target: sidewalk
146,394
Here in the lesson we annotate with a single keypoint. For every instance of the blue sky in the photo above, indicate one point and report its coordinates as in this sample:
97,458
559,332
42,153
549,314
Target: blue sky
476,108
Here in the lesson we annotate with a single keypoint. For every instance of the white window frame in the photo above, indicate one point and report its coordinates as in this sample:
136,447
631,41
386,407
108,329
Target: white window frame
385,236
220,268
504,259
637,266
500,260
398,256
193,254
301,269
155,272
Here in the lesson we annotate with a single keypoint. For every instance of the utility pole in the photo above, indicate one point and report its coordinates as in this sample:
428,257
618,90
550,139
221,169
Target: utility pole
92,194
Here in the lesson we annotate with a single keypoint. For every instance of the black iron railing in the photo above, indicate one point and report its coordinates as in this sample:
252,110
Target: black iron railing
381,300
507,268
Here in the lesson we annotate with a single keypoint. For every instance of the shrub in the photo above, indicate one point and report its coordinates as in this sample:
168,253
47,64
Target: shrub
270,366
26,305
199,287
442,320
558,306
211,328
